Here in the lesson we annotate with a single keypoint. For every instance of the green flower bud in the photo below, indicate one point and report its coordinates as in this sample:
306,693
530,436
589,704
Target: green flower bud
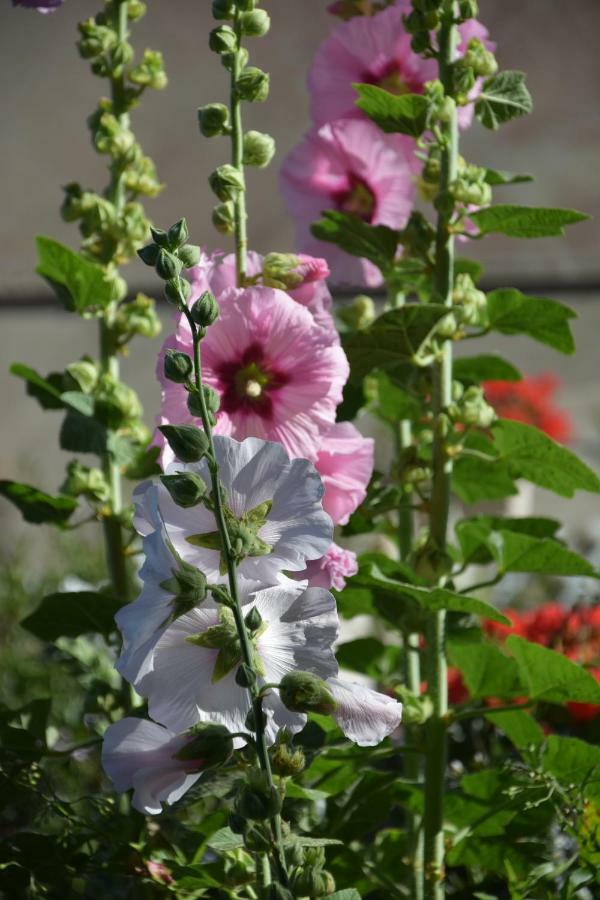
415,710
223,9
259,149
222,39
177,291
464,79
211,745
115,403
237,824
223,218
187,584
160,237
167,265
359,314
281,270
480,59
468,9
189,255
255,23
245,676
414,22
186,488
246,5
258,799
150,72
308,882
178,234
135,10
213,119
447,327
86,374
178,366
188,443
149,254
221,594
83,481
444,203
253,619
287,761
250,721
314,856
253,85
420,42
305,692
205,310
211,398
95,39
226,181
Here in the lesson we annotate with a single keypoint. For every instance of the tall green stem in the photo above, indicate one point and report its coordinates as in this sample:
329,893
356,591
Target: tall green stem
237,159
246,647
109,361
435,763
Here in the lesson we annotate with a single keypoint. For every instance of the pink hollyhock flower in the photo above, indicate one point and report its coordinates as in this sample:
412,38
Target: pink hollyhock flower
278,373
306,284
345,464
349,165
376,50
331,570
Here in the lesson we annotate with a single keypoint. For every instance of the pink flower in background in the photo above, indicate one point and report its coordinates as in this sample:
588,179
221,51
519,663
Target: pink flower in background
279,374
345,464
375,50
43,6
349,165
331,570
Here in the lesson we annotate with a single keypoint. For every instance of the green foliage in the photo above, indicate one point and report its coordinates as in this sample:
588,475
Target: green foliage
377,243
524,221
394,114
547,321
38,507
503,97
71,614
484,367
80,285
550,676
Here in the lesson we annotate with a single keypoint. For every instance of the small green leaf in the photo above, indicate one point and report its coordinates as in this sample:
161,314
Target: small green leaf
224,840
38,507
377,243
523,553
498,177
369,656
71,614
394,338
550,676
485,367
209,540
473,534
503,97
518,726
307,841
470,267
475,478
393,113
346,894
544,320
81,433
80,402
486,670
524,221
45,390
573,762
531,454
82,284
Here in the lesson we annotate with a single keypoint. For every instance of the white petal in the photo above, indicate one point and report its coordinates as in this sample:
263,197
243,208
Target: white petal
365,716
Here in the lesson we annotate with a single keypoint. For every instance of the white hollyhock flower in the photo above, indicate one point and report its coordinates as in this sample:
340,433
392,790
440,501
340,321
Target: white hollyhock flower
366,717
141,755
273,504
195,660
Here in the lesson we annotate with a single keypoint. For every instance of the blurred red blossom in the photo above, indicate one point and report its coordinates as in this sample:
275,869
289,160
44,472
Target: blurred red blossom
532,401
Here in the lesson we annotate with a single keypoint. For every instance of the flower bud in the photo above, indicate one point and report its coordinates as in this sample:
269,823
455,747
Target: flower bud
149,254
255,23
213,119
468,9
114,402
259,149
205,310
245,676
480,59
178,290
86,374
223,218
305,692
167,265
178,234
136,9
186,488
223,9
253,85
256,838
447,327
189,255
226,181
222,39
160,237
150,72
287,761
253,619
210,744
188,443
211,398
258,799
359,314
309,882
178,366
187,584
250,721
83,481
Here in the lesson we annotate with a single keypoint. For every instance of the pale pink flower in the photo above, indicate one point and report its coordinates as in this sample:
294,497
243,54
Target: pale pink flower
365,716
345,464
279,374
375,50
331,570
349,165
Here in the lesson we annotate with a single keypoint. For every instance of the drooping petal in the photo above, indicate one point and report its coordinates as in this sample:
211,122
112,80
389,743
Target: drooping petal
365,716
345,463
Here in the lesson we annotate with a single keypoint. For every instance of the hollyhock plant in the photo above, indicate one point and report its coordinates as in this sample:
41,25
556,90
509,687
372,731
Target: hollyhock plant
349,165
142,755
532,401
365,716
376,50
331,570
195,661
279,374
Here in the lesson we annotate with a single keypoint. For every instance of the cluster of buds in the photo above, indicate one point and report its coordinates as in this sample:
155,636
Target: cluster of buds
469,299
424,18
169,254
469,406
308,877
241,19
470,186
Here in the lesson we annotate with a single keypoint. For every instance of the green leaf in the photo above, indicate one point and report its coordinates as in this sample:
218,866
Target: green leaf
503,97
522,553
346,894
82,284
486,670
470,267
531,454
524,221
550,676
484,367
473,533
144,464
498,177
377,243
544,320
393,401
519,727
72,614
475,479
369,656
305,840
393,113
37,506
45,390
394,338
81,433
573,762
78,401
353,602
224,840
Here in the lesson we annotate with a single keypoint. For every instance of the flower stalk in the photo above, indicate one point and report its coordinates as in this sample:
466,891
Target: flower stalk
237,156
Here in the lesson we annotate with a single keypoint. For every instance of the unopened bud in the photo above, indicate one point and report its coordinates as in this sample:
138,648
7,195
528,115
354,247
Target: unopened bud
258,799
188,443
160,237
213,119
178,290
286,760
186,488
305,692
205,310
223,9
178,234
226,181
223,218
178,366
222,39
253,85
259,149
189,255
253,619
187,584
245,676
167,265
210,745
255,23
149,254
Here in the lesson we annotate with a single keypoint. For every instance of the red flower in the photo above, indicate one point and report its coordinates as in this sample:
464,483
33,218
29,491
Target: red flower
531,401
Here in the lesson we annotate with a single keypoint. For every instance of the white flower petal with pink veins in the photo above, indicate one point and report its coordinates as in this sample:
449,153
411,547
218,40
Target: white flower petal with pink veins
300,627
139,754
366,717
252,472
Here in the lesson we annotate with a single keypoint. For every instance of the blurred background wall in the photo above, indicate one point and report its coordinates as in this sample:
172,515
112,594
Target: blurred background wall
47,93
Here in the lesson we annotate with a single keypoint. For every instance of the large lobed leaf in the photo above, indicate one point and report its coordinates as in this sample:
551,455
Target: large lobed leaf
71,614
524,221
37,506
544,320
80,284
503,97
377,243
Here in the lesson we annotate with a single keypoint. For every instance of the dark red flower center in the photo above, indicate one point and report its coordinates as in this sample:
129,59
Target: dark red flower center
358,199
249,382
